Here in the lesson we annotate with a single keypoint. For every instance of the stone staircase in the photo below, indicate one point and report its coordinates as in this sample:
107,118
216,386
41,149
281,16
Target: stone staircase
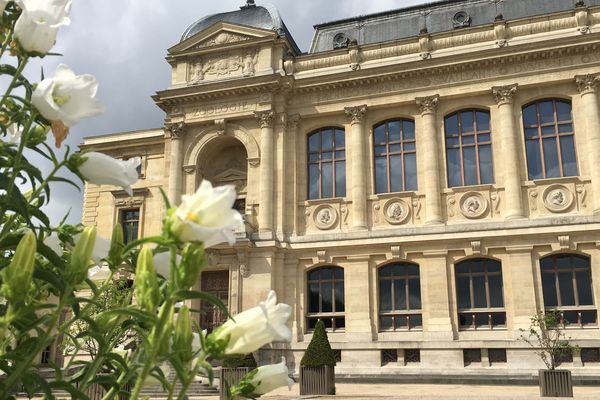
196,389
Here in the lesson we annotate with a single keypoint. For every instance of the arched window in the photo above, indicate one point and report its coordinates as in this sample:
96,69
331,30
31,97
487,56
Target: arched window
567,286
400,297
469,148
395,156
326,298
327,163
549,139
479,294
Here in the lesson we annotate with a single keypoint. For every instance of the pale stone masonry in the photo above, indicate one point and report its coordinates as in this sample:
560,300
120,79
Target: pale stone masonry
246,107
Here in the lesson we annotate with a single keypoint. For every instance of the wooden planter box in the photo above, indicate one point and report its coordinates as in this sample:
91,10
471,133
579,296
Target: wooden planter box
232,376
317,380
555,383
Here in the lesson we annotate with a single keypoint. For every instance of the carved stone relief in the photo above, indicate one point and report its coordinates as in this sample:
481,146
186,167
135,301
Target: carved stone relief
223,38
451,205
325,217
473,205
581,194
533,198
224,64
416,203
396,211
557,198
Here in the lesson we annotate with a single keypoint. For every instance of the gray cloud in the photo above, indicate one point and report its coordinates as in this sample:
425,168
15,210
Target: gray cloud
123,43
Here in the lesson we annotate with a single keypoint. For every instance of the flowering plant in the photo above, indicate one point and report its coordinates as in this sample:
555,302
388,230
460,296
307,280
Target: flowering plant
50,289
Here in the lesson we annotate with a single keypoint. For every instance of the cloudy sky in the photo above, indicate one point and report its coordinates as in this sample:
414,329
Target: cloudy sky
124,42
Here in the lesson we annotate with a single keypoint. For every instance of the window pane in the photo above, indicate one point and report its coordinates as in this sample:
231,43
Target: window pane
565,128
410,171
340,179
338,273
483,121
499,319
340,154
452,142
534,161
327,322
483,138
563,111
314,157
385,295
496,297
381,180
414,289
394,131
551,158
400,294
327,273
463,267
548,130
482,320
340,322
466,121
379,135
479,292
401,322
416,321
452,125
386,323
584,288
530,115
565,282
569,159
327,139
410,146
408,130
312,323
546,112
588,317
465,319
549,288
454,177
340,139
396,172
314,275
326,297
470,166
314,142
395,148
468,139
313,298
532,133
326,156
313,181
463,292
339,296
412,270
386,271
486,169
326,180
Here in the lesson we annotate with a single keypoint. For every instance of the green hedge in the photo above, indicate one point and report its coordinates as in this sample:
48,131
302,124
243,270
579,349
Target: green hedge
240,361
318,353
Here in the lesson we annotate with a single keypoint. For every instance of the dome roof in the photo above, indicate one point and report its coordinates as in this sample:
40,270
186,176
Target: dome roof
263,17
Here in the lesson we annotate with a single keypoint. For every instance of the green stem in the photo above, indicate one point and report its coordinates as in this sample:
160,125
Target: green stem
22,63
7,41
185,385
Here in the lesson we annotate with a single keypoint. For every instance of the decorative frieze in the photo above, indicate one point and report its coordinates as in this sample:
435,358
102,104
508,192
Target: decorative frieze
222,38
356,114
587,83
428,104
504,94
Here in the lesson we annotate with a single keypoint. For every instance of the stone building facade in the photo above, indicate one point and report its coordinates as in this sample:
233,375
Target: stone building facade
424,180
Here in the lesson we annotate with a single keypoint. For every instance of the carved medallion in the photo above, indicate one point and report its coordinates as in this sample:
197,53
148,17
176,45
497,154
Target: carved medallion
557,198
473,205
396,211
325,217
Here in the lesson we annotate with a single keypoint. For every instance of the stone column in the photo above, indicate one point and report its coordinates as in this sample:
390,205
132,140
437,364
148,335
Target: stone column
291,183
176,161
265,216
588,87
504,96
359,166
428,106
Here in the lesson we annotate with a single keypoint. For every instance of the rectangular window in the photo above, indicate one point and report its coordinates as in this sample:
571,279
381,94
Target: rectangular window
130,221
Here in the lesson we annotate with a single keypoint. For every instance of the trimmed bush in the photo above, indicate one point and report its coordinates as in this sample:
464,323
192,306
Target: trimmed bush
240,361
318,353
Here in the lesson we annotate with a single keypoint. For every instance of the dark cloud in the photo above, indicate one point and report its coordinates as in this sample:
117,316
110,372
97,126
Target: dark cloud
123,44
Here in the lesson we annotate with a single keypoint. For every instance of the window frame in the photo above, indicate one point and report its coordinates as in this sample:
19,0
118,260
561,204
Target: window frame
557,135
577,308
334,314
399,312
388,154
334,162
476,134
124,222
473,311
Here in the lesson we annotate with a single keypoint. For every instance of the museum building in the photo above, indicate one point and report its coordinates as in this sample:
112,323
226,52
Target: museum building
423,180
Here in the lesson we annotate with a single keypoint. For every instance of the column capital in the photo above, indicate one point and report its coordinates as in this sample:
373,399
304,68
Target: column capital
265,118
587,83
175,130
504,94
428,104
293,121
356,114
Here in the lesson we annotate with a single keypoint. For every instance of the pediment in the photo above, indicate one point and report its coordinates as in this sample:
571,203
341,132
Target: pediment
221,34
233,177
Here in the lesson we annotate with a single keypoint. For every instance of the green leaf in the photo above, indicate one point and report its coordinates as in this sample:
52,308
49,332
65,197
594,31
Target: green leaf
193,294
134,313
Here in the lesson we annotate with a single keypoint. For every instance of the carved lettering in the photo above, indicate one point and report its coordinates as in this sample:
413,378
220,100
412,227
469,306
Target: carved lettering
211,110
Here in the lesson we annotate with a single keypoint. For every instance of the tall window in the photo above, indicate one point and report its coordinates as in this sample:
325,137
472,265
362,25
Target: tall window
479,294
130,220
395,156
567,286
400,297
327,163
549,139
326,298
469,148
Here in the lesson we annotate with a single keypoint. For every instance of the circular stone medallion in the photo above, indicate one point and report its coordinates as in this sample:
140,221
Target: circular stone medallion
325,217
396,211
557,198
473,205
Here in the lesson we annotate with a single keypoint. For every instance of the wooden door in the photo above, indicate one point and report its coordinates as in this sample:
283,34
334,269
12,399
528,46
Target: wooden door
217,284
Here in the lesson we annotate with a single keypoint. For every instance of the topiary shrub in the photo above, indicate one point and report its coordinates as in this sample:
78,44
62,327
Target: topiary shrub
240,362
318,353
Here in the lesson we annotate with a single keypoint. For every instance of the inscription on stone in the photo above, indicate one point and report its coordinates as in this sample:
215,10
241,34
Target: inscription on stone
210,110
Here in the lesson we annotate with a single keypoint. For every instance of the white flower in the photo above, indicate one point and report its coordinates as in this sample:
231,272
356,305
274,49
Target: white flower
100,169
207,216
38,24
162,263
15,132
270,377
67,97
253,328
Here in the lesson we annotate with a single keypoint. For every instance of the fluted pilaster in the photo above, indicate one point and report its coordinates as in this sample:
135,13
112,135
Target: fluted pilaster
358,167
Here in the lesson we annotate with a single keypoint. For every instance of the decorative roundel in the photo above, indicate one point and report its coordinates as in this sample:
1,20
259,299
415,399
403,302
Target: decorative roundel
557,198
340,41
325,217
473,205
396,211
461,19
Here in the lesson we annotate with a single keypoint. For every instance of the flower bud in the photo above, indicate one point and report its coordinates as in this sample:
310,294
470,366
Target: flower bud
183,337
117,244
17,276
77,269
193,262
160,336
146,284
